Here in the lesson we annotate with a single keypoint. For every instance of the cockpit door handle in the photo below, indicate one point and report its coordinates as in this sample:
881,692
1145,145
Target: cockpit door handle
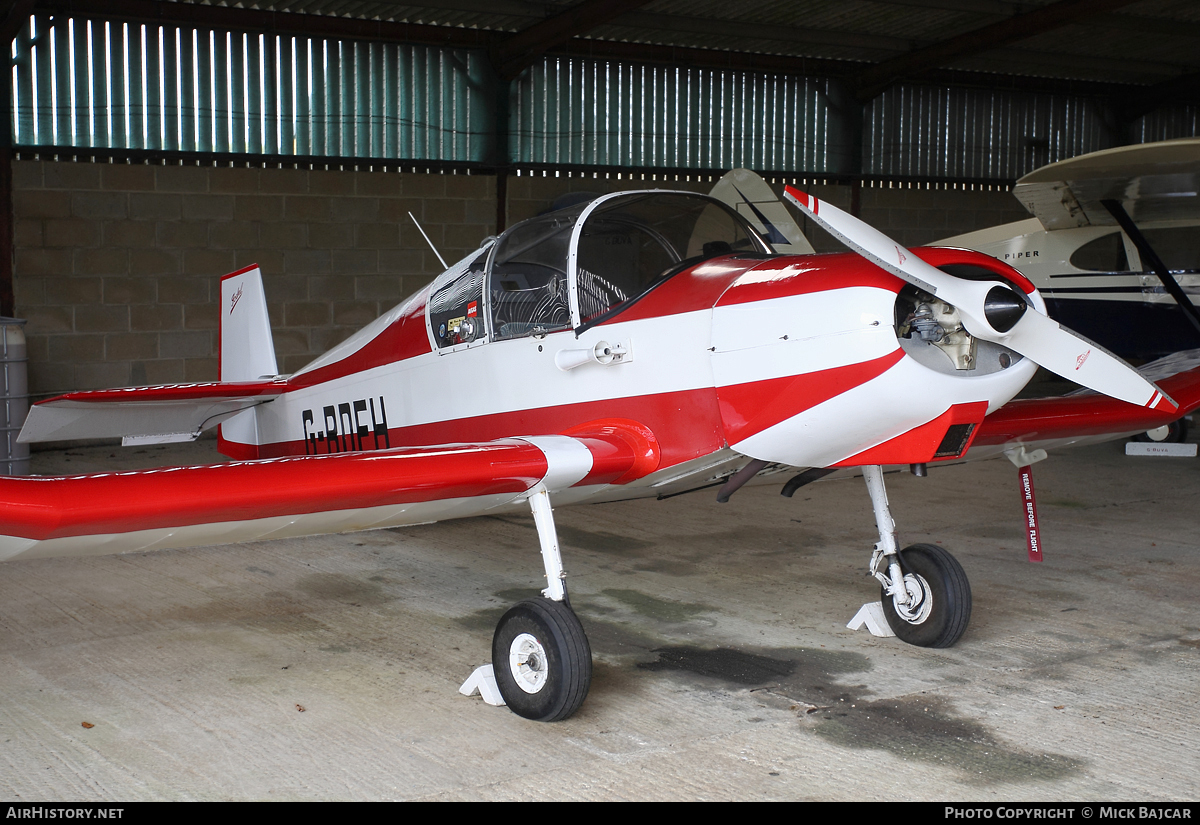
602,353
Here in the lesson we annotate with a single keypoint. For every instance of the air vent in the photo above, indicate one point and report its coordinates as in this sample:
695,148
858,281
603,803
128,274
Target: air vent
958,436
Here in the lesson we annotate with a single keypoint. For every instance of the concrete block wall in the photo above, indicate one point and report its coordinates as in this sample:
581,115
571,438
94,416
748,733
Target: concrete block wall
117,266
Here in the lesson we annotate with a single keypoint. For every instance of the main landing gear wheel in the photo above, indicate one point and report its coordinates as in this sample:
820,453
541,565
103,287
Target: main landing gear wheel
1173,433
939,605
542,660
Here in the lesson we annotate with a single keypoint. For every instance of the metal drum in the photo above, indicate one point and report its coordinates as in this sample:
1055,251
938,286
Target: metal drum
14,406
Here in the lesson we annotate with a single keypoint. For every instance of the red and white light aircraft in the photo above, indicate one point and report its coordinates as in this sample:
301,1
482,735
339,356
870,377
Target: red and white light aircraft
642,344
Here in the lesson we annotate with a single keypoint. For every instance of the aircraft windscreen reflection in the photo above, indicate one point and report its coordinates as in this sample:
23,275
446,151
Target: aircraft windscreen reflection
628,245
631,244
528,278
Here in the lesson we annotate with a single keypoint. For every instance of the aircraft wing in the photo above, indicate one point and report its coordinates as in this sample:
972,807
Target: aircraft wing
1153,182
144,415
1086,417
304,495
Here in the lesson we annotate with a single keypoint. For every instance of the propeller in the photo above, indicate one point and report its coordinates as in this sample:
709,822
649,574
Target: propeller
993,311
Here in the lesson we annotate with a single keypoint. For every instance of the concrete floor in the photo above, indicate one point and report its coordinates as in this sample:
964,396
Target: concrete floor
328,668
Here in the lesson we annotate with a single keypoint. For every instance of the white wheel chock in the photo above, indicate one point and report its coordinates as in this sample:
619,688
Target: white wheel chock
872,616
483,682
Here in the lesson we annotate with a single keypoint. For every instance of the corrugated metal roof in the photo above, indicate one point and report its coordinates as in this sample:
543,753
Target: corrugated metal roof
1143,43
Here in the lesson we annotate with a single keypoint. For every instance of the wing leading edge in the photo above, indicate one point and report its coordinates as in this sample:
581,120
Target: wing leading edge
305,495
1088,417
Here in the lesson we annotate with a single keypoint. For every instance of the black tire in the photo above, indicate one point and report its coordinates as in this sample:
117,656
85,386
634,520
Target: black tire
553,680
942,615
1176,433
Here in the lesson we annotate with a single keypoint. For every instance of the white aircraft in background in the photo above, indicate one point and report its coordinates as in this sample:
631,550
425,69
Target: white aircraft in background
1114,247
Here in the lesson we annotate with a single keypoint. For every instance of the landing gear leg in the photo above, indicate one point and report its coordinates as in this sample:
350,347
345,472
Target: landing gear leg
925,593
540,655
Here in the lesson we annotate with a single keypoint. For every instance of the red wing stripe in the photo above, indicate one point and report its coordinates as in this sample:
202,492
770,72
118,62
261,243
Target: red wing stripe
49,508
177,392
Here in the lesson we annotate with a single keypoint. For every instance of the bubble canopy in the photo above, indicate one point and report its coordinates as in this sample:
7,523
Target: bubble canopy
576,267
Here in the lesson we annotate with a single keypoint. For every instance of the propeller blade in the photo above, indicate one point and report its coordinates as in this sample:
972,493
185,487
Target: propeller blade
1077,359
992,310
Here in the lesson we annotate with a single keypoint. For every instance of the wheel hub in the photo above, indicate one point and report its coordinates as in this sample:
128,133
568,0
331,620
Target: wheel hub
527,661
920,600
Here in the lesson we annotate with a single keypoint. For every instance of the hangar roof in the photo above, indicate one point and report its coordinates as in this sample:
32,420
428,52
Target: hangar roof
1031,43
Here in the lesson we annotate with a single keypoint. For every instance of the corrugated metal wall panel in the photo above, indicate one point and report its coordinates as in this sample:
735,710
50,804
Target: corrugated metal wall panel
602,113
930,132
96,83
1168,124
119,85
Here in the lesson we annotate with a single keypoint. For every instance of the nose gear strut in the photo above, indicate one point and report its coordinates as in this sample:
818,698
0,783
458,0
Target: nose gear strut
925,593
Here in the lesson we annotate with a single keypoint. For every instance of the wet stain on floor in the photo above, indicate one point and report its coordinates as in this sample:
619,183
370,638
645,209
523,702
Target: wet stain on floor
736,666
341,588
1070,503
791,671
1003,532
927,729
919,727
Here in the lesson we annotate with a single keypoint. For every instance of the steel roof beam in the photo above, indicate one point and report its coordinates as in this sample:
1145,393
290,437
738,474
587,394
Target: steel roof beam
874,80
1184,89
759,31
526,47
999,8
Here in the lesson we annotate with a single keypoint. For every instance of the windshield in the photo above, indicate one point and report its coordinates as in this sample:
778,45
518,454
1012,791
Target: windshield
528,278
628,244
631,243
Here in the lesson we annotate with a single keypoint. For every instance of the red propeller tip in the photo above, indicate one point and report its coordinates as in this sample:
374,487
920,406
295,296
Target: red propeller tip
802,198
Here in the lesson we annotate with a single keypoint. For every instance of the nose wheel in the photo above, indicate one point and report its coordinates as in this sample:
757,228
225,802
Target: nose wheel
542,660
936,605
926,595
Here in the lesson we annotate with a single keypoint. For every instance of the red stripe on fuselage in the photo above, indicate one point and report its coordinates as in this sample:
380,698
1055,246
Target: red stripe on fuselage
692,290
748,409
790,275
686,424
405,338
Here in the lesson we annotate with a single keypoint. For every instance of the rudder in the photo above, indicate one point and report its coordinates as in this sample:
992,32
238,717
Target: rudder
247,349
247,352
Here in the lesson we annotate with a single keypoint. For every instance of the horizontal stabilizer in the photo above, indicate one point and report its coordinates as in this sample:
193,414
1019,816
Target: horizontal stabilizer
144,415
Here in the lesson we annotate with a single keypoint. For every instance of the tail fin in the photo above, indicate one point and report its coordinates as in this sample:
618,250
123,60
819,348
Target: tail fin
247,353
247,350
